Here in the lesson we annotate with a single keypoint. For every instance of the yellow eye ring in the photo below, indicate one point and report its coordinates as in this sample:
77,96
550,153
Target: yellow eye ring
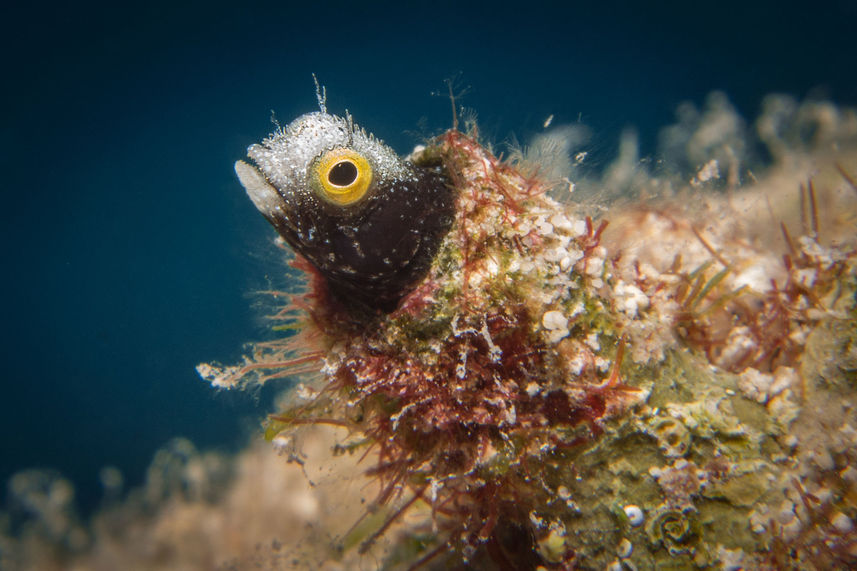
342,176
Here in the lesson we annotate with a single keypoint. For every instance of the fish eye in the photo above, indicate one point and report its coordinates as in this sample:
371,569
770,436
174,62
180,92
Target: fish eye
342,176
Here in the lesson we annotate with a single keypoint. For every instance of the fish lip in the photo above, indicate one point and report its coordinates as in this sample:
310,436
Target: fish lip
265,195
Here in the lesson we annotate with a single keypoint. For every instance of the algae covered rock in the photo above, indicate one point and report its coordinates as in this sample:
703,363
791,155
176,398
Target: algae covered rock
550,392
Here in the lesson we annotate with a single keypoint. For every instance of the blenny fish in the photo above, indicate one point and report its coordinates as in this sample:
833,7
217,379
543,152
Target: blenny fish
369,221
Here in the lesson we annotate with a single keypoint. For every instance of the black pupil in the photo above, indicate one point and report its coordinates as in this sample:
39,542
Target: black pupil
343,173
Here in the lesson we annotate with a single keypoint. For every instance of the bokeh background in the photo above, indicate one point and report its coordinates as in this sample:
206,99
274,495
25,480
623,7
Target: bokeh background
129,250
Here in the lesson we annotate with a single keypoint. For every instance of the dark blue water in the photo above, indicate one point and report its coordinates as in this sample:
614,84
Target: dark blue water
128,246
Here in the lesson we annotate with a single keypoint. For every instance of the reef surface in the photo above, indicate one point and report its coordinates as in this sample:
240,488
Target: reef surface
672,392
669,382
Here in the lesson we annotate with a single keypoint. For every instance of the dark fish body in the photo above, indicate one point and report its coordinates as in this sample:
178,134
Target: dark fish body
369,221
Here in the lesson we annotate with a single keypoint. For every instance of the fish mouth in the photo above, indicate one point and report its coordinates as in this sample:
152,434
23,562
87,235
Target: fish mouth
263,195
273,205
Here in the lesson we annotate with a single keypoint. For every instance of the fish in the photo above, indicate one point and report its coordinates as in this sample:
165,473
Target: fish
369,221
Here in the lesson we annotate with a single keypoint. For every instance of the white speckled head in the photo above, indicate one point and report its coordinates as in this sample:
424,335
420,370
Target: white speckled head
369,221
285,157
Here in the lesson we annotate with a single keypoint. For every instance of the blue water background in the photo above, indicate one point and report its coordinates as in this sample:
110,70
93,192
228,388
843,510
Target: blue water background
128,246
